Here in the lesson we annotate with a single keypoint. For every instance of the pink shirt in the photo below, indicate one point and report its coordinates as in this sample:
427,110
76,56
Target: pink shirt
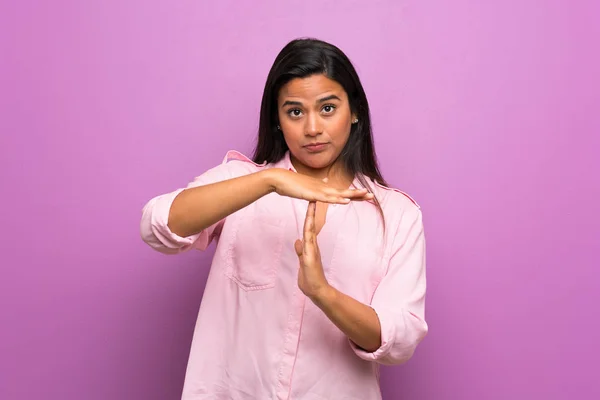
257,336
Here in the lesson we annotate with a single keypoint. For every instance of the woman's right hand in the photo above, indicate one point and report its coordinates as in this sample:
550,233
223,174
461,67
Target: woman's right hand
292,184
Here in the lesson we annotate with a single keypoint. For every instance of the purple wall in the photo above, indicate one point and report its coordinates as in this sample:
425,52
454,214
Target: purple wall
488,114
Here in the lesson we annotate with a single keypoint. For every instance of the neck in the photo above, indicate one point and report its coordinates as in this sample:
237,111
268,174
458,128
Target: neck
335,173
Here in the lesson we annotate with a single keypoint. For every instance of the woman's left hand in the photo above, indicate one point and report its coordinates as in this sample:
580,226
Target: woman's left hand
311,277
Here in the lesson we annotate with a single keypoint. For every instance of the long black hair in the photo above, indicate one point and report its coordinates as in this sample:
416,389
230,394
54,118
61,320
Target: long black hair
301,58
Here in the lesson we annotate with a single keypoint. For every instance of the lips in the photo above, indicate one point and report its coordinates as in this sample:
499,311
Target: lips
315,147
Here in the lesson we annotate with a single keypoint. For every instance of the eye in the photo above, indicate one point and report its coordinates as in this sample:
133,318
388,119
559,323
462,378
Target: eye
328,108
295,113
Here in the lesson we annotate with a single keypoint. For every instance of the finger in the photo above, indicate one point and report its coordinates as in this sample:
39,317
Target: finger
309,226
309,222
327,198
333,199
353,193
359,196
337,196
366,197
333,195
341,199
298,247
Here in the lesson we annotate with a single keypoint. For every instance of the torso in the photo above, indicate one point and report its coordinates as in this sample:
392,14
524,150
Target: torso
257,335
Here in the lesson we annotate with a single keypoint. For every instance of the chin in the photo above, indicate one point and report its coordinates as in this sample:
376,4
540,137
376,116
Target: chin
318,161
315,165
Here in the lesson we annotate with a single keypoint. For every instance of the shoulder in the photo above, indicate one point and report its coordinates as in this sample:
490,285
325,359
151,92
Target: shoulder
402,213
392,198
236,164
233,165
399,208
236,160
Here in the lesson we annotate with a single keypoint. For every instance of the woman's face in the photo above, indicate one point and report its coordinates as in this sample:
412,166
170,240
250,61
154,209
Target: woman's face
315,118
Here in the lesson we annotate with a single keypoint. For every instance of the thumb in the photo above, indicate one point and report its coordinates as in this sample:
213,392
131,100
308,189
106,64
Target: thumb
298,247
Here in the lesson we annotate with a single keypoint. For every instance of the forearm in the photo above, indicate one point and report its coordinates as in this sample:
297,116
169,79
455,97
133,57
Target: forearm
195,209
356,320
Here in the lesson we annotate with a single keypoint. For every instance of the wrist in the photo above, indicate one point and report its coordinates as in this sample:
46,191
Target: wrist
270,178
324,297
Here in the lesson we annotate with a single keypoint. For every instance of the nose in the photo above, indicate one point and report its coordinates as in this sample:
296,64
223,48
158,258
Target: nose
313,125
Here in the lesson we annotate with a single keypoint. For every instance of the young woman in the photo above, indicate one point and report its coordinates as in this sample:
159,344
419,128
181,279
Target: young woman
319,271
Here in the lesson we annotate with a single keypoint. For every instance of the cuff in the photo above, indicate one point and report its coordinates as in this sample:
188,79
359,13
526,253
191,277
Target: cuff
388,333
172,242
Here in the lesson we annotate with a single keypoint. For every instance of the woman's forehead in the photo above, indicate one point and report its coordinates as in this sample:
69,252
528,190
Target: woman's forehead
311,88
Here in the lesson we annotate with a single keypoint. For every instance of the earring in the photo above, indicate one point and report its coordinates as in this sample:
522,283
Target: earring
355,120
278,128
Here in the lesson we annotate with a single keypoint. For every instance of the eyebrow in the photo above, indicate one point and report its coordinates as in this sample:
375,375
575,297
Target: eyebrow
297,103
331,97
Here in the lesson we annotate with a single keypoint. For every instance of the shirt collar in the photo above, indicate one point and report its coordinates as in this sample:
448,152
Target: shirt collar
285,162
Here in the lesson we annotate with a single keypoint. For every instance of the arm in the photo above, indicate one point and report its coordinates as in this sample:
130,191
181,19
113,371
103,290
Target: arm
187,218
390,328
358,321
195,209
198,208
176,222
399,299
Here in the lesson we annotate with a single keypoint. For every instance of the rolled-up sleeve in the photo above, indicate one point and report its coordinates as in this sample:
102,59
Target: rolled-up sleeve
154,227
399,299
156,233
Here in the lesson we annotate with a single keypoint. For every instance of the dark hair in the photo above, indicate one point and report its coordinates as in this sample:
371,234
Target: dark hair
302,58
